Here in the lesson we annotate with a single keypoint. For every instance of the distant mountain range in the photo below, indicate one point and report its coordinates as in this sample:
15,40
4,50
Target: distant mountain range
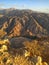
24,23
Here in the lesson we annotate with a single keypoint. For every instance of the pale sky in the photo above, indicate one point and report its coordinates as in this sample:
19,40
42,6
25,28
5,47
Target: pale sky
37,5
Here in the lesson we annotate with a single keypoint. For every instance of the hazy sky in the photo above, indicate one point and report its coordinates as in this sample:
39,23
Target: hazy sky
39,5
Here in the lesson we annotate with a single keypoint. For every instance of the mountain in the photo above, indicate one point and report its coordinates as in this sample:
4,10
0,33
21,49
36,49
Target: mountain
24,35
24,23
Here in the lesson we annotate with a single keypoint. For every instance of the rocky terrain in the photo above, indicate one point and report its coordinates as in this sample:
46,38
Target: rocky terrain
24,37
24,23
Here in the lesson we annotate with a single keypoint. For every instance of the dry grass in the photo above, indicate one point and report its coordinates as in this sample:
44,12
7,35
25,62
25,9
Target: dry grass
9,57
2,33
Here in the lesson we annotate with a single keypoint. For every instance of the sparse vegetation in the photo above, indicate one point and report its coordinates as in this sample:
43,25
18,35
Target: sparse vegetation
2,34
28,38
32,54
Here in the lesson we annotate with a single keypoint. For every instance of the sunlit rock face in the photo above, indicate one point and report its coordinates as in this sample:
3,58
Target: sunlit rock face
16,30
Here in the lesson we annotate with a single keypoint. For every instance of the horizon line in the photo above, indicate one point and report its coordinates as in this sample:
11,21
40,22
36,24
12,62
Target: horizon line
35,10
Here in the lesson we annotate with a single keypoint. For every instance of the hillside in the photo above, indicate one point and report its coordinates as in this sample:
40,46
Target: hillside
24,37
24,23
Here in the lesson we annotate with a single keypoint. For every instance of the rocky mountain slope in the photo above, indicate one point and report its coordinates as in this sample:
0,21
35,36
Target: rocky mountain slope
24,37
24,23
